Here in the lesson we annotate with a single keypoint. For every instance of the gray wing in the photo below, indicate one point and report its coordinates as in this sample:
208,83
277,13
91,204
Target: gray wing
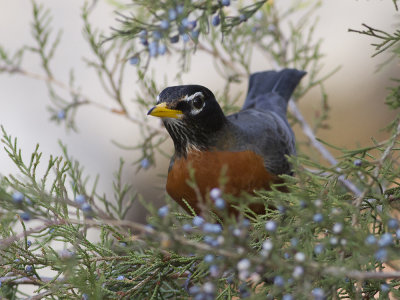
262,121
268,134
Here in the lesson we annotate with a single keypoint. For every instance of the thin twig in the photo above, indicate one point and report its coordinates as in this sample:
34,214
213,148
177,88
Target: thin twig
388,150
85,100
41,295
320,147
357,202
144,281
6,242
27,280
218,55
359,275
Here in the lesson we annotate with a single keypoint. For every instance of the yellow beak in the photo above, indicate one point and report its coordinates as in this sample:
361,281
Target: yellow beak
162,111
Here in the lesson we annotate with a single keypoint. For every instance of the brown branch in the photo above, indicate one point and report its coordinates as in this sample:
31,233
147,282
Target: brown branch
41,295
359,275
5,242
28,280
144,281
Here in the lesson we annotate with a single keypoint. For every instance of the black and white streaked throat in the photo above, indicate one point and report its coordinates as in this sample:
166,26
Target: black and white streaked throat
192,117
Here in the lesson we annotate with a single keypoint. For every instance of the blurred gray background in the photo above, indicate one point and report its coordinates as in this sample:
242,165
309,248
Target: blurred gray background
356,92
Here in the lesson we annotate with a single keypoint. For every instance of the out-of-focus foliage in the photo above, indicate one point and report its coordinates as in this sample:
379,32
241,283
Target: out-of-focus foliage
334,235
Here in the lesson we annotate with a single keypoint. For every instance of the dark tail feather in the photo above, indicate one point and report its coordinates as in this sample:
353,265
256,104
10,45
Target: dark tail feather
282,83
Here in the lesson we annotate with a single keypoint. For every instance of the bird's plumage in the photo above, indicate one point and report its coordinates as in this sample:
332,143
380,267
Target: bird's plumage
252,144
263,121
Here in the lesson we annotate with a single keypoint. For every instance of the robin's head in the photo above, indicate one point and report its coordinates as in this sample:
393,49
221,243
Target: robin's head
191,115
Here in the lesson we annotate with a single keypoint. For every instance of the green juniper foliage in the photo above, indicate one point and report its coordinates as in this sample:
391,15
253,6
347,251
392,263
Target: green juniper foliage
334,235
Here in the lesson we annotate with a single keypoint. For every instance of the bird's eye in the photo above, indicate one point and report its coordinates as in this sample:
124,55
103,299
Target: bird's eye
198,102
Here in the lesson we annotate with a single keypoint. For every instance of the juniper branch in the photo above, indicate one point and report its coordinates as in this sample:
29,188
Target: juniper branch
390,144
387,40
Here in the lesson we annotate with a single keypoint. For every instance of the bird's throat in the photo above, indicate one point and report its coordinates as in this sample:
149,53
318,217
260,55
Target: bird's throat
188,138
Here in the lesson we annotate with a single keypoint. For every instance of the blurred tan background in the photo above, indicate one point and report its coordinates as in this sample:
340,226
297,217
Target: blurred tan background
356,92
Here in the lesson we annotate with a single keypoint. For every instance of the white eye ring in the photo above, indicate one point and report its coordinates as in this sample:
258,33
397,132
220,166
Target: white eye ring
197,102
195,95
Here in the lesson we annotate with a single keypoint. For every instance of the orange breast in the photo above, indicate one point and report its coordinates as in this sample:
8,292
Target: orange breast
244,171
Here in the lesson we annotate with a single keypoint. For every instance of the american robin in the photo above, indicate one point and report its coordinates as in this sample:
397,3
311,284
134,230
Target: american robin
250,146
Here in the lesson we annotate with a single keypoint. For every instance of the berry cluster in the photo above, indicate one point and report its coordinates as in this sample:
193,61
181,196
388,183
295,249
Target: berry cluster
86,207
171,27
22,203
181,22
